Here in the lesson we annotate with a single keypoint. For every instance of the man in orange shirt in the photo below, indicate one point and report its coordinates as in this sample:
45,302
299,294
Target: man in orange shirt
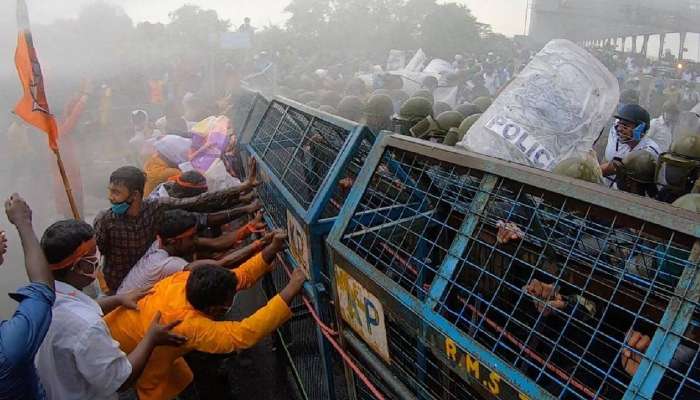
200,298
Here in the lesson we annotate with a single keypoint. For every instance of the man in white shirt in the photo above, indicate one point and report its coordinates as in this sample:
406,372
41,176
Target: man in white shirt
663,128
628,134
177,241
79,359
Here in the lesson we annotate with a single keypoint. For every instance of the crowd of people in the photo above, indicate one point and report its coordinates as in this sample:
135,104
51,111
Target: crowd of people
113,306
168,283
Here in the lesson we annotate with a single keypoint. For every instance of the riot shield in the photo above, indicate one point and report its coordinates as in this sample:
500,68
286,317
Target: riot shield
553,110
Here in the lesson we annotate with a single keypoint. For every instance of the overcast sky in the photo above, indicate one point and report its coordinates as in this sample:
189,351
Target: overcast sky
506,16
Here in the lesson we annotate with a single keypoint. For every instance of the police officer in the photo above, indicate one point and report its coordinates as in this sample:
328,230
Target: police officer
627,135
436,129
378,113
636,174
412,112
679,168
455,135
350,107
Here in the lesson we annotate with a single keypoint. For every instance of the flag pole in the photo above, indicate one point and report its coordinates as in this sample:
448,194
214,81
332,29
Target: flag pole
66,185
33,107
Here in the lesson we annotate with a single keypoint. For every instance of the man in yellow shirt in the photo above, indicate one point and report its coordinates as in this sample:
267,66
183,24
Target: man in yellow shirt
200,298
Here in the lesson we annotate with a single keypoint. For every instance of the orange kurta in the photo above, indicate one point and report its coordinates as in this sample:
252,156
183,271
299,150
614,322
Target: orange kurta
157,171
167,373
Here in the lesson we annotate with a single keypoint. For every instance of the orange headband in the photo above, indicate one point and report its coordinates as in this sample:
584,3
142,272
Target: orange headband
185,234
178,179
80,252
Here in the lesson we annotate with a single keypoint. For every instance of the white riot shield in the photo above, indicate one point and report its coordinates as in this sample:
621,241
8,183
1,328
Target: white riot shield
553,110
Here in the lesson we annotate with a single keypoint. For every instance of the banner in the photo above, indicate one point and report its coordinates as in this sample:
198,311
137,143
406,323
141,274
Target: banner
235,41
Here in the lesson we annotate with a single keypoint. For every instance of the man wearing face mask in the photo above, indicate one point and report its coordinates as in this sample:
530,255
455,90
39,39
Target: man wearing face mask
126,231
78,358
629,134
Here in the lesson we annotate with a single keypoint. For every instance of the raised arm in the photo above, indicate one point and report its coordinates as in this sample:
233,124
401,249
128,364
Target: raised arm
220,200
231,239
20,215
220,337
251,268
224,217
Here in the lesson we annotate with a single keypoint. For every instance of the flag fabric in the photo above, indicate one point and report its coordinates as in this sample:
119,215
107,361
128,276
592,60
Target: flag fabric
33,108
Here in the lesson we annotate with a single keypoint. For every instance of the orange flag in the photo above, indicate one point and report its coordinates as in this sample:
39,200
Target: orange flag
33,108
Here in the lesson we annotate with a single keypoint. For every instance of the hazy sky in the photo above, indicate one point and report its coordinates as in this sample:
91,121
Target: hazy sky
506,16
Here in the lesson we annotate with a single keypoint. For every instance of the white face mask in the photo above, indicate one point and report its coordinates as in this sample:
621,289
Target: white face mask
94,261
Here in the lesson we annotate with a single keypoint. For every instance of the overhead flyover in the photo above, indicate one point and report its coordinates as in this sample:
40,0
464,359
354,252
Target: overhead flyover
606,22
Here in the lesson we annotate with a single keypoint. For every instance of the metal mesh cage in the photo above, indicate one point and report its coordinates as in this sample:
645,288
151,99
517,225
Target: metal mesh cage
423,373
301,341
251,107
272,199
580,291
299,148
422,376
404,223
347,179
308,161
561,303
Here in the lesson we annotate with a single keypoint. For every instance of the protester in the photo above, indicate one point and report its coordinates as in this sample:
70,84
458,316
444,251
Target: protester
200,298
143,135
178,241
128,228
21,335
181,186
79,359
173,123
170,152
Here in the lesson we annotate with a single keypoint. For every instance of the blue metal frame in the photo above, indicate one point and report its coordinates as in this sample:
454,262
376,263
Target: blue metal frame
310,218
404,303
449,264
666,339
315,227
421,314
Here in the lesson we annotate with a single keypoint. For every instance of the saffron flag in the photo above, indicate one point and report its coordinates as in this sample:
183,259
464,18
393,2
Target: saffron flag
33,108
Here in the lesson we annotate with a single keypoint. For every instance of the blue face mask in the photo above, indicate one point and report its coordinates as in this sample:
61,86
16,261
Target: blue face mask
120,208
639,131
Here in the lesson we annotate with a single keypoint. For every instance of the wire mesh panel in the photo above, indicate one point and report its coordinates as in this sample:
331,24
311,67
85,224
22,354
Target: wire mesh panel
522,283
404,222
413,371
302,156
301,342
560,298
308,160
300,150
249,107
